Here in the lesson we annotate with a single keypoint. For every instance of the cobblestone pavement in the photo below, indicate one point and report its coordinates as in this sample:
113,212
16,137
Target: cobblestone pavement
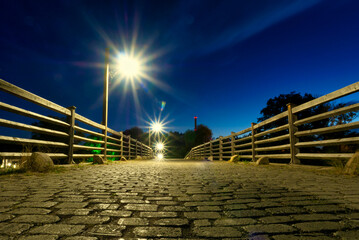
179,200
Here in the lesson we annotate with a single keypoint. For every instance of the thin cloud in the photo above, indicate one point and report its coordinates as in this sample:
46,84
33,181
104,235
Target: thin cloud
199,32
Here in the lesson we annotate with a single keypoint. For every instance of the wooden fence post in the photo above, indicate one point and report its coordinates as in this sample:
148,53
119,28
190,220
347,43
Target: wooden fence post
136,149
232,144
141,144
129,147
71,134
121,144
210,149
253,145
292,138
220,149
105,143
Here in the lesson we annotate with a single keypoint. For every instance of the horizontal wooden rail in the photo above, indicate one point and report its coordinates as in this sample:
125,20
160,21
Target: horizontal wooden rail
263,136
353,140
28,154
274,148
324,156
76,146
17,140
326,130
80,129
277,129
89,122
21,93
274,139
85,139
26,127
336,112
329,97
26,113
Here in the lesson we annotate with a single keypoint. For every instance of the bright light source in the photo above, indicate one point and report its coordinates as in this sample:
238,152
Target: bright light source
157,127
129,66
160,146
160,156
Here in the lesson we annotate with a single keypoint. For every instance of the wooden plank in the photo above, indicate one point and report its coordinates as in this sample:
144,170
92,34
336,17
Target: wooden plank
246,156
87,147
243,145
26,127
244,151
77,128
119,134
114,139
273,130
26,113
331,129
274,148
324,155
89,122
17,140
275,156
21,93
286,136
292,138
272,119
329,97
243,139
339,141
19,155
88,139
113,144
336,112
242,132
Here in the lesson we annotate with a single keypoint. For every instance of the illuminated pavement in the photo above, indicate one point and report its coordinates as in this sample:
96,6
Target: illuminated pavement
180,200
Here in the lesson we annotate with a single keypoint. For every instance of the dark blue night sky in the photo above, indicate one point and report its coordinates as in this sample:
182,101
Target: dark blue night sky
218,60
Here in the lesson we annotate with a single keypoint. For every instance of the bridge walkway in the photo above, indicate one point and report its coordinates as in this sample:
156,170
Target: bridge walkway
180,200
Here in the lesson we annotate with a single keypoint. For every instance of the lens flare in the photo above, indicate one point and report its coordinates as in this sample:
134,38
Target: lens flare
160,156
129,66
160,146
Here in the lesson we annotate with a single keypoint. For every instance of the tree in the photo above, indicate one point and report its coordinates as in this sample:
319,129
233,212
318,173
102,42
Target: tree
202,135
136,133
278,105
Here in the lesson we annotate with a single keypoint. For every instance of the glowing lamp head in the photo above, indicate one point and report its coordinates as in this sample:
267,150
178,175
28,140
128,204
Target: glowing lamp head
129,66
160,146
157,127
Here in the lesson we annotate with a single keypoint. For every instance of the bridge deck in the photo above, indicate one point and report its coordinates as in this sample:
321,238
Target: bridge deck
180,199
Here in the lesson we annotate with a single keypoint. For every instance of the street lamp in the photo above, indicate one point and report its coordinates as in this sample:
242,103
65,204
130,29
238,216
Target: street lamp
130,68
156,127
160,146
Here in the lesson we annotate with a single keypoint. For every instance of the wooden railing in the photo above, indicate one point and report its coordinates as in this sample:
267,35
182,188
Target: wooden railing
285,136
74,141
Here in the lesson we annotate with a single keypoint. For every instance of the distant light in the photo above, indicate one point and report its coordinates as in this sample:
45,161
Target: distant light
129,66
160,146
160,156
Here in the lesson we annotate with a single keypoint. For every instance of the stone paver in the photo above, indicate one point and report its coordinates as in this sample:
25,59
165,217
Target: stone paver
180,200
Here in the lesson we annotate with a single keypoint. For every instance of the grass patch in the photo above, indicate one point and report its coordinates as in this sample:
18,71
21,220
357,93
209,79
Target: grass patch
7,171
